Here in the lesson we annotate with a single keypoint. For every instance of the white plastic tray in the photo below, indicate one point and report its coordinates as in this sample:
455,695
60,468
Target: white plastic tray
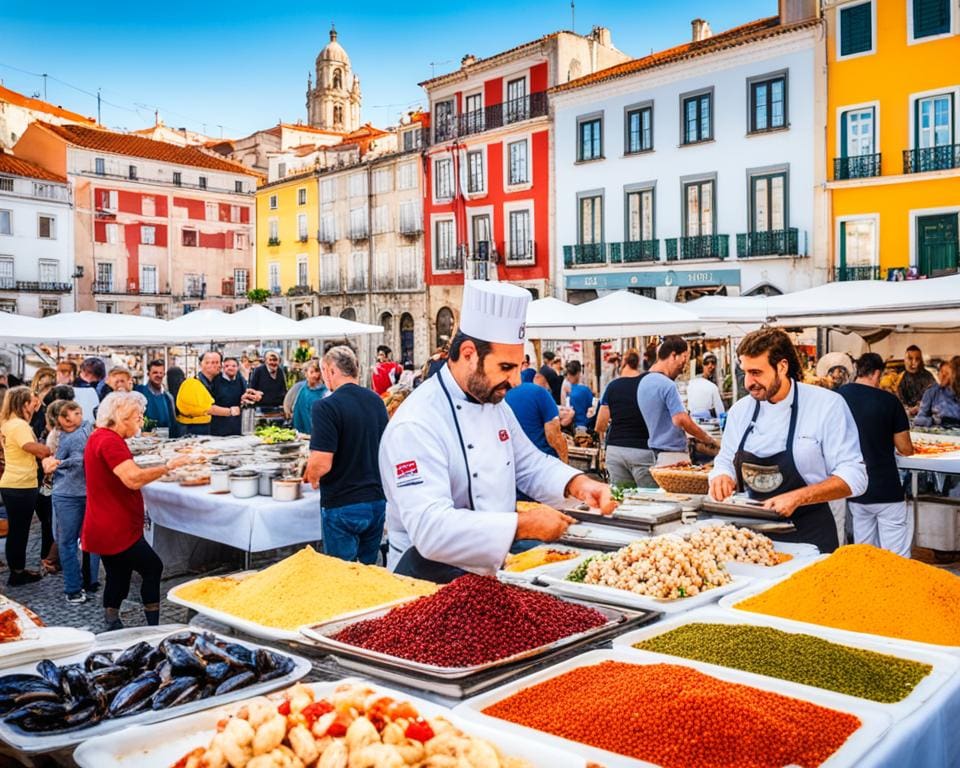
944,666
161,745
29,742
874,722
590,535
555,579
44,643
252,628
527,576
728,602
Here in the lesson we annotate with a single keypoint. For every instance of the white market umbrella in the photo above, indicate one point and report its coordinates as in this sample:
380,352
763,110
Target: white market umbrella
21,329
548,313
328,327
103,328
254,323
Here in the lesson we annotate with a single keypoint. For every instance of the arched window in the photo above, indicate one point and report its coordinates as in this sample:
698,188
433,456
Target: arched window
349,314
337,79
444,326
406,338
337,114
386,320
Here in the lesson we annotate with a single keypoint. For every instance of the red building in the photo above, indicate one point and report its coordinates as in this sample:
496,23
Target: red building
487,167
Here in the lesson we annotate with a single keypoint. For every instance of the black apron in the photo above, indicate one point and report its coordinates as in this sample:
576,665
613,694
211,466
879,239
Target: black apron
227,394
764,477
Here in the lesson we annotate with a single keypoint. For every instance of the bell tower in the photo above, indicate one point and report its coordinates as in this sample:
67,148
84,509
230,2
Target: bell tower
333,104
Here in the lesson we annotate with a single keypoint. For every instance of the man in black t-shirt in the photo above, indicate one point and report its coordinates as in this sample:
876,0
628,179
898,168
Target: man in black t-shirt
628,456
880,515
344,451
554,379
270,381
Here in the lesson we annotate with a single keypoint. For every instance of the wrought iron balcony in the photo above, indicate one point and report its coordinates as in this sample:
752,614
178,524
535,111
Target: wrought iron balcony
845,274
273,241
585,254
775,242
101,286
940,158
449,262
8,284
856,167
492,116
523,251
698,247
635,251
358,233
275,290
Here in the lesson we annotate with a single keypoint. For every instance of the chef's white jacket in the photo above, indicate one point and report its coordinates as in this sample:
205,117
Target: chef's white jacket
826,441
425,478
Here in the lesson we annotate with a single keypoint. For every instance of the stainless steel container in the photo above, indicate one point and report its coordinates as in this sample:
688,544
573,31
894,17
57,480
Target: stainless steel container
219,480
248,419
286,489
267,476
244,483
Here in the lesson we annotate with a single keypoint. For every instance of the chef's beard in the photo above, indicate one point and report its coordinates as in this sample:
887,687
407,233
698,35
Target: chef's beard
478,385
765,393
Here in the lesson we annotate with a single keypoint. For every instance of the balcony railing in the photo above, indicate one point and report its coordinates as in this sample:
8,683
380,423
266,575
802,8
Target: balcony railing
273,241
325,237
8,284
635,251
585,254
492,116
449,262
479,268
940,158
845,274
522,251
856,167
34,286
359,233
698,247
775,242
101,286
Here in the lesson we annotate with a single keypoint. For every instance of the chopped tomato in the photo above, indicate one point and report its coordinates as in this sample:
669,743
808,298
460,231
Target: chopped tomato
313,712
419,730
284,708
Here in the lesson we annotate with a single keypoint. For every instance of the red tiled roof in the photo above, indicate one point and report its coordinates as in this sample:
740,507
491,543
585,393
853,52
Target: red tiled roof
310,129
745,33
138,146
12,97
17,167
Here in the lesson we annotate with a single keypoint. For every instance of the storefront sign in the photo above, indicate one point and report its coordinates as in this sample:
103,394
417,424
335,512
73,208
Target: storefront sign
679,278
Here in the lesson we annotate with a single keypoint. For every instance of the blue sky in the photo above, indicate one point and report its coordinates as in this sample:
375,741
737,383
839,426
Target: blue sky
244,65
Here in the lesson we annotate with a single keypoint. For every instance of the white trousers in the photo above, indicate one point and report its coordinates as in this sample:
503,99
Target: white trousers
889,526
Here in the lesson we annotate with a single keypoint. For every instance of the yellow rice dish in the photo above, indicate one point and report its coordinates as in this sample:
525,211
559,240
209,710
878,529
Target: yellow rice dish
305,588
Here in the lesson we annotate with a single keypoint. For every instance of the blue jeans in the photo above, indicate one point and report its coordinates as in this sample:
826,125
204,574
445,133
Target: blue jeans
68,513
353,532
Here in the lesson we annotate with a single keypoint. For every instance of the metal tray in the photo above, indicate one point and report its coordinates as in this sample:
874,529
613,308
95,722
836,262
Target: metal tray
31,742
643,515
750,509
605,538
322,634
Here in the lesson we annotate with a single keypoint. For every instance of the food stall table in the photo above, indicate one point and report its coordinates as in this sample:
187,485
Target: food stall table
251,525
944,463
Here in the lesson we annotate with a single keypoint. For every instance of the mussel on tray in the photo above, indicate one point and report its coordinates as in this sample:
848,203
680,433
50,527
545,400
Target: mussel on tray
109,684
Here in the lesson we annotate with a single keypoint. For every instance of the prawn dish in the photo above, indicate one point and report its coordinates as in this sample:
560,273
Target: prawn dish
355,726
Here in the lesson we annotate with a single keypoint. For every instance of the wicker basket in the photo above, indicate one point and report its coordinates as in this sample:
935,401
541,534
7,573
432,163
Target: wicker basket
682,478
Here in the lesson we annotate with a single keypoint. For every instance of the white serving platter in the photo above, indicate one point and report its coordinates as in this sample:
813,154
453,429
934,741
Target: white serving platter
874,722
163,744
44,643
555,580
527,576
32,742
729,602
252,628
944,666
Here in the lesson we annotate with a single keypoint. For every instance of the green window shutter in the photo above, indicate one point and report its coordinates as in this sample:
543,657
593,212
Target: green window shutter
843,134
856,29
843,244
931,17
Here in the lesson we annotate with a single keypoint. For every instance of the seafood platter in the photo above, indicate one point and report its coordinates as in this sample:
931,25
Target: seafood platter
24,638
131,677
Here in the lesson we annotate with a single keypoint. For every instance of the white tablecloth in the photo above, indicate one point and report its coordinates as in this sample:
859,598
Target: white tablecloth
253,525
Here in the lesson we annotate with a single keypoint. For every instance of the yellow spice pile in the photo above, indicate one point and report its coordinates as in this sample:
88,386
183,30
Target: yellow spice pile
866,589
305,588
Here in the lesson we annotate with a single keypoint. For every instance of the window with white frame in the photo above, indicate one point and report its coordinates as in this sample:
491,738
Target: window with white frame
212,211
357,271
190,238
638,131
6,222
148,279
383,180
589,138
382,279
409,217
858,131
357,184
698,216
148,205
858,245
521,241
934,121
104,277
930,18
234,213
148,235
302,196
408,273
273,277
330,273
6,184
240,241
99,166
445,256
518,107
303,278
273,202
46,227
49,306
328,228
518,167
475,179
473,112
855,33
49,270
7,280
193,285
273,230
381,219
639,215
241,281
112,232
302,227
407,173
443,178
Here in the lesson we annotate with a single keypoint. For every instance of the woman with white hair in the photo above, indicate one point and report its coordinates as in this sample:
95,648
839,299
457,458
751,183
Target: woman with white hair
113,521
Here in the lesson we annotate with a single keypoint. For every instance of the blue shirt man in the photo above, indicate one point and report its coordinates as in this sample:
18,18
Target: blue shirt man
579,396
534,408
160,405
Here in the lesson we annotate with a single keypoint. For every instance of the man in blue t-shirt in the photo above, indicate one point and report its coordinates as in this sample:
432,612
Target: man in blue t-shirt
533,405
663,412
579,396
344,460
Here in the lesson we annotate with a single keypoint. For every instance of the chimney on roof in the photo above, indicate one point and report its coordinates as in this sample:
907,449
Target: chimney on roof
793,11
602,36
467,60
701,30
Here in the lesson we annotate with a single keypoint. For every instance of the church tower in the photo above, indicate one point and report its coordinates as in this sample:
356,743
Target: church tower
334,104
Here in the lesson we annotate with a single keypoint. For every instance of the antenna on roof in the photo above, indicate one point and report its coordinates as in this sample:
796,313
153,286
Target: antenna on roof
99,122
435,64
573,16
44,76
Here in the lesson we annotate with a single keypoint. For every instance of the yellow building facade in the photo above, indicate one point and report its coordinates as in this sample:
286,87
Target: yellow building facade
893,140
287,225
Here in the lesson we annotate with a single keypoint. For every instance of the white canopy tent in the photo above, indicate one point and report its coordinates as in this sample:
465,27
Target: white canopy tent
328,327
21,329
254,323
102,328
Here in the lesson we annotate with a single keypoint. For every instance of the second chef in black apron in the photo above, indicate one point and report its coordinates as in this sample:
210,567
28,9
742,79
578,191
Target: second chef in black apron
793,446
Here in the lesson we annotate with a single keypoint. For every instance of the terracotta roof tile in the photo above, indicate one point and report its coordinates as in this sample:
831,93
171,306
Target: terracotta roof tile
310,129
138,146
12,97
745,33
17,167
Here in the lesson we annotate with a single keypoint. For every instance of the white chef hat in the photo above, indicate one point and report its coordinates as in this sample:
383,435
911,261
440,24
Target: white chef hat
494,311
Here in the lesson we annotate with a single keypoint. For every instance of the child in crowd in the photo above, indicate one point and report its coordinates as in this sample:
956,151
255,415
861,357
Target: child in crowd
68,438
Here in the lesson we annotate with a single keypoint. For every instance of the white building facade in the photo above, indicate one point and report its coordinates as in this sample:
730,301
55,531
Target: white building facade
36,240
695,170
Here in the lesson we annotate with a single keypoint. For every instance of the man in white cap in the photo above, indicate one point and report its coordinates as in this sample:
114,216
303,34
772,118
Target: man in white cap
454,455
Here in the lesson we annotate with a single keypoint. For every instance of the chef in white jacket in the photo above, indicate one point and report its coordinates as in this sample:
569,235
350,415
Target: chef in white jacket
453,454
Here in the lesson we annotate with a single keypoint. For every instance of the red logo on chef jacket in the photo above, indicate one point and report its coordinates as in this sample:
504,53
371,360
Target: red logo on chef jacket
408,474
504,435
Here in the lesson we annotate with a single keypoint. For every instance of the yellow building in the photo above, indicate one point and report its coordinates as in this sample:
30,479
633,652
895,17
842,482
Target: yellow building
892,136
287,224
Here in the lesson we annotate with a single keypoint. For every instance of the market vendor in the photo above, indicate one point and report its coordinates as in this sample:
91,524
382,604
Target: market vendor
794,447
454,454
916,380
196,397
